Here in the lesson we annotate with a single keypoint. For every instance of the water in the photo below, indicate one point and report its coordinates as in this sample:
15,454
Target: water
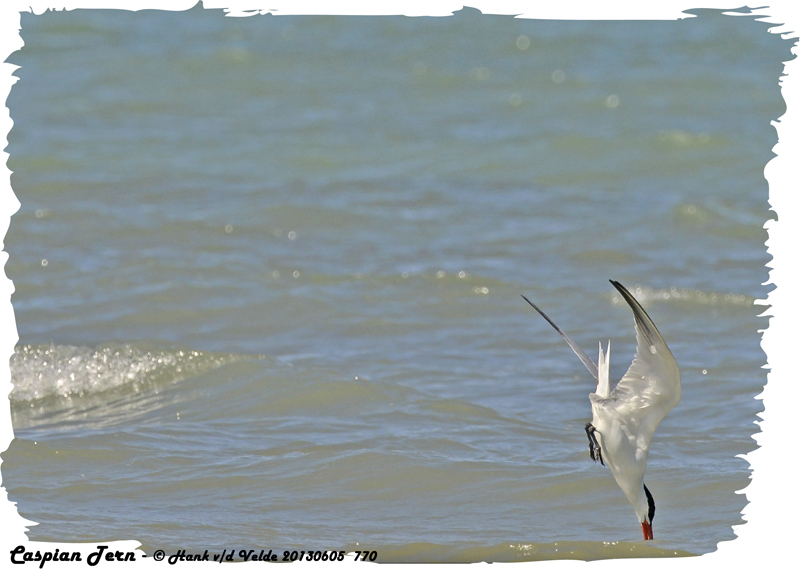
268,276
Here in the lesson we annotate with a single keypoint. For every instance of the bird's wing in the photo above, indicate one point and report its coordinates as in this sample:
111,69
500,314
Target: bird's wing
578,351
652,385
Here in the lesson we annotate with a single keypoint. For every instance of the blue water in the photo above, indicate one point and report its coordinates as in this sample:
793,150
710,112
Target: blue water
268,276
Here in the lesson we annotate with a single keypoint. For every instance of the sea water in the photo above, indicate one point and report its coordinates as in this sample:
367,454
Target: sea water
268,276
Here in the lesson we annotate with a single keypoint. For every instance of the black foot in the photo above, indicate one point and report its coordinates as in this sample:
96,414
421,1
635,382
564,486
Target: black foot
594,447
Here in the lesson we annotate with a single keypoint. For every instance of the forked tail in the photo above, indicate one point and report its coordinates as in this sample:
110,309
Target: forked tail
603,364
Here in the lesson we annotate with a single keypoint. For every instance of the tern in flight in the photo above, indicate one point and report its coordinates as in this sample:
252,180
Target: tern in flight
624,419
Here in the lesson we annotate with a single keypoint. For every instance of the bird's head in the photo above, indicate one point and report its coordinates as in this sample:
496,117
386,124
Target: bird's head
646,517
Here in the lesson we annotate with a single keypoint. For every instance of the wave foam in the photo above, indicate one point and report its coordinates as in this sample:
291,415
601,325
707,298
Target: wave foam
647,294
41,371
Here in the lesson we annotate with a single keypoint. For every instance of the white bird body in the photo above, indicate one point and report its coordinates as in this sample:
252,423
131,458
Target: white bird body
625,418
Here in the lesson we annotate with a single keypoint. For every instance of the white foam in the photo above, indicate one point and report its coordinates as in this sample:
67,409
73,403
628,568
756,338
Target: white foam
41,371
647,294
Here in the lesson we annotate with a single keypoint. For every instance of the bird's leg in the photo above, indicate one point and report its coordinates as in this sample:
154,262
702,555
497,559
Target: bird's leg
590,434
594,446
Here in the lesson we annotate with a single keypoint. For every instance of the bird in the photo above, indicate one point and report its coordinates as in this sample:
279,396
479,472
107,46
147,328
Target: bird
625,418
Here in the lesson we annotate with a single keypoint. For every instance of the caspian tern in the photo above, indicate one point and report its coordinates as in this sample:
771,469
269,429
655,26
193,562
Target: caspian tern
624,419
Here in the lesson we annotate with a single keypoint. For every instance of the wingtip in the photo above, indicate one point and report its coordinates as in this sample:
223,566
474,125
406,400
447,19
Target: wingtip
621,289
639,314
588,363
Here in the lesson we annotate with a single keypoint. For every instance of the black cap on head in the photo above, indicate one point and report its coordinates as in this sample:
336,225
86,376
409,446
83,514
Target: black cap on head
651,503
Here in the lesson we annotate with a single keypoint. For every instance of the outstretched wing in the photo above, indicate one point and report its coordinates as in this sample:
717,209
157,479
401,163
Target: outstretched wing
578,351
652,385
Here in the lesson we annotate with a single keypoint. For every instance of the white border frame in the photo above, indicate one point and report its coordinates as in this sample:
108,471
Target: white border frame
768,536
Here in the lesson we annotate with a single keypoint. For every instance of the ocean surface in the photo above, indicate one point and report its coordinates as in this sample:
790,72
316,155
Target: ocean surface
268,276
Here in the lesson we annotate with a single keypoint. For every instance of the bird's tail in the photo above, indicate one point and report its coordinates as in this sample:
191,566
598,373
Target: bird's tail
603,363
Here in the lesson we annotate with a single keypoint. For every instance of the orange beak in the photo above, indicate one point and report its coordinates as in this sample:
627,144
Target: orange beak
647,530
